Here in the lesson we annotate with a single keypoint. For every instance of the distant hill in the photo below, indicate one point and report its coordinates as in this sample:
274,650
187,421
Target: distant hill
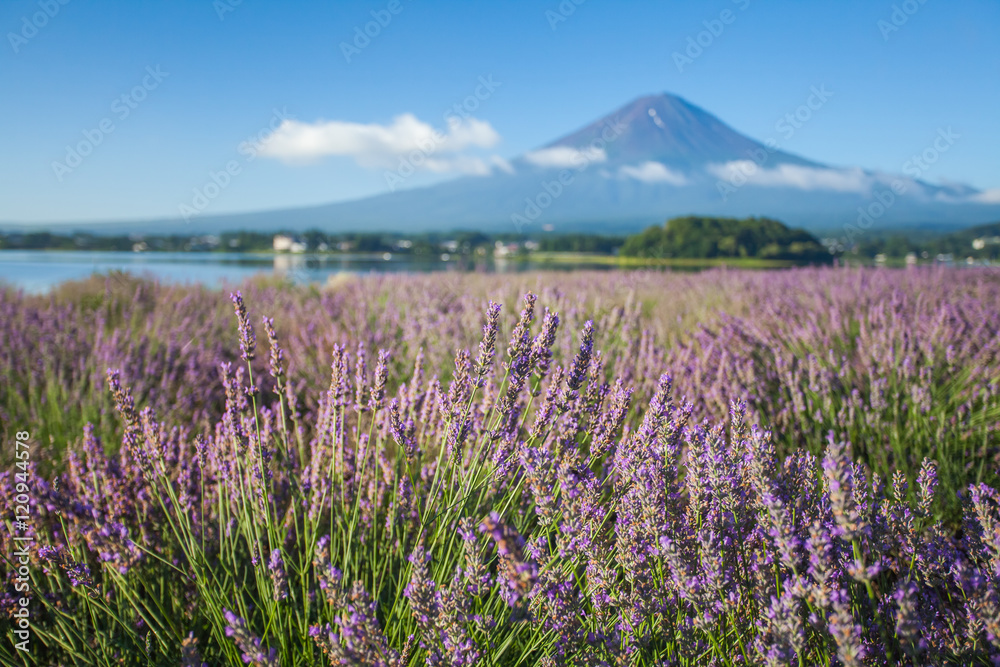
966,238
710,238
657,156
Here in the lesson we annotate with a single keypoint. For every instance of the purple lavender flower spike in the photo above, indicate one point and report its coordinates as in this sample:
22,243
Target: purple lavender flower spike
248,340
581,362
276,566
487,347
250,646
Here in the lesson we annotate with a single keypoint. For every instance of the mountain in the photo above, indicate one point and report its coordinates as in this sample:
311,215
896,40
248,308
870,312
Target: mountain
671,131
657,157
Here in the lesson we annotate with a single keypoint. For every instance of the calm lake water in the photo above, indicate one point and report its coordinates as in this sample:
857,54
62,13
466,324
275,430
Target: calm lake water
38,271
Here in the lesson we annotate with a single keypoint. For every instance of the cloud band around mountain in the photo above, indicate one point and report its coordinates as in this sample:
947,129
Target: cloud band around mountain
794,176
653,172
991,196
563,157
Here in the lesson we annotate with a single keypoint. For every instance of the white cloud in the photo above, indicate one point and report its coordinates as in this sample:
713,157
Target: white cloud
564,156
463,164
373,145
653,172
991,196
794,176
502,164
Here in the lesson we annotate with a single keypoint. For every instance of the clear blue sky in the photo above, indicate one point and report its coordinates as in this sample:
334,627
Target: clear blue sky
224,77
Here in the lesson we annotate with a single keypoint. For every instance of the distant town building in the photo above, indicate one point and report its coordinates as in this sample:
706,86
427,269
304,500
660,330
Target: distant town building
983,241
207,242
501,249
283,243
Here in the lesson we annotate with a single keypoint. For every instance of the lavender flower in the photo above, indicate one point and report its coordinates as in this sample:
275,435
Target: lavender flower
487,347
541,346
276,566
519,349
927,482
402,433
839,475
516,574
847,635
189,652
77,573
360,378
253,653
908,620
277,355
582,360
421,591
381,376
248,340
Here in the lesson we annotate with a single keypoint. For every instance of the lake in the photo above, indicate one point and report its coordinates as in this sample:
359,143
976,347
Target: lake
38,271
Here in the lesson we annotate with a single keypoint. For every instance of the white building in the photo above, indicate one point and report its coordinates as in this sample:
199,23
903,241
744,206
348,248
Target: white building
982,242
282,243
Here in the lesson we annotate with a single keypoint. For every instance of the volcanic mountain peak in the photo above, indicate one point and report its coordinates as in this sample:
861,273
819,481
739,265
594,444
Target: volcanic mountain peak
668,129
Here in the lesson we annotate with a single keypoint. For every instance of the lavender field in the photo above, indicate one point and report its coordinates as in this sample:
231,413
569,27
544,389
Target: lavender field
629,468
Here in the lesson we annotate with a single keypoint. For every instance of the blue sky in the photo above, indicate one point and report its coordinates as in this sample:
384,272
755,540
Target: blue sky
213,74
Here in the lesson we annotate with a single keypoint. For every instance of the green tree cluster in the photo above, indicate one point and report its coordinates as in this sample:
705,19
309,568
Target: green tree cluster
702,237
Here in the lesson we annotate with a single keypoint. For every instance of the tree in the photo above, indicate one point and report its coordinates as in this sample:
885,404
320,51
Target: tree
709,238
